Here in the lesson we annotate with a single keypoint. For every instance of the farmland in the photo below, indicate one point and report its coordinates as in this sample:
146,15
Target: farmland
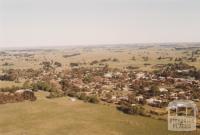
32,58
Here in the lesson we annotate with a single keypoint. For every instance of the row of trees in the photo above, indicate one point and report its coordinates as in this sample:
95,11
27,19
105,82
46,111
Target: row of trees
131,109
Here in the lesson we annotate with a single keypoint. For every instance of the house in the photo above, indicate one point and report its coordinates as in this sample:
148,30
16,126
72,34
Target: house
147,89
139,98
23,90
98,79
173,96
108,75
117,74
123,98
183,71
163,90
140,75
154,102
126,88
113,98
73,99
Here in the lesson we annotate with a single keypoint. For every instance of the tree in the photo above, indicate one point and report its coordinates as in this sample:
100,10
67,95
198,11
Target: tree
94,62
145,58
47,65
131,98
87,79
40,85
154,90
58,64
197,75
133,58
115,60
74,64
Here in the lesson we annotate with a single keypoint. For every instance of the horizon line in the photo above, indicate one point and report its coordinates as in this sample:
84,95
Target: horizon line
92,45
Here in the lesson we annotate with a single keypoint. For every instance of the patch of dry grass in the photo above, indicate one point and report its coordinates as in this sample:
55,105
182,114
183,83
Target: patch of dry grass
63,117
4,84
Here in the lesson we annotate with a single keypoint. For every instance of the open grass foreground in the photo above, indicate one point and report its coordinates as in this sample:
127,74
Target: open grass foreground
63,117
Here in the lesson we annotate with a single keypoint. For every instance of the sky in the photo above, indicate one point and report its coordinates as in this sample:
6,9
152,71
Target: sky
91,22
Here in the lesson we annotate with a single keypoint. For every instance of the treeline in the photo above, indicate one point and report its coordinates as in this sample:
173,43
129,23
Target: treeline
63,89
48,65
179,70
71,55
15,74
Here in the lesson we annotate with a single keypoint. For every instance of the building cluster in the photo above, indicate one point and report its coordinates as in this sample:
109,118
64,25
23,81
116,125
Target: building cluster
116,86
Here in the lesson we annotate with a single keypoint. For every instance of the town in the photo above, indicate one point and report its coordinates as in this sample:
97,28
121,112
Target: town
134,92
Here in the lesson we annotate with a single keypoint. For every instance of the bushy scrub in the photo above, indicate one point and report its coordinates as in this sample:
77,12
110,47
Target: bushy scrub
131,109
93,99
40,85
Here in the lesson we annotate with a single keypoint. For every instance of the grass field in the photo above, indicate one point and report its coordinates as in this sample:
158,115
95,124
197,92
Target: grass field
63,117
4,84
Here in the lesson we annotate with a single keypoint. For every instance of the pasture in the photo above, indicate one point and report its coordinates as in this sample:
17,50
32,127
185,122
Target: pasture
61,116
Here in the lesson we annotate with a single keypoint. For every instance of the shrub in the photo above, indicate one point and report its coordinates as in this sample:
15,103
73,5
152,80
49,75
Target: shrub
42,86
133,58
93,99
115,60
56,94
